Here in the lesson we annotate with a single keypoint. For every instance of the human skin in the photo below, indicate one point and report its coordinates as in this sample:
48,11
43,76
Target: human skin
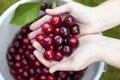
93,47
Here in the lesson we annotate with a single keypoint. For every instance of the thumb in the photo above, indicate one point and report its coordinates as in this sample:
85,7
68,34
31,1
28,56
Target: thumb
64,66
59,10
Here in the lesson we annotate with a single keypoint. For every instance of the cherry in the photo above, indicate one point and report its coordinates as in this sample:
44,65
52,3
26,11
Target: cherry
64,32
31,71
13,72
56,20
44,6
18,57
9,57
47,41
42,77
62,74
25,74
16,44
50,77
49,54
38,70
47,28
45,70
37,64
33,78
40,38
69,21
56,31
58,55
17,65
59,48
75,29
73,41
20,71
67,50
20,51
12,50
25,41
58,40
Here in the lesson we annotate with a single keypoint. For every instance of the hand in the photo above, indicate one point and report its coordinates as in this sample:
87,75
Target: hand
88,52
85,17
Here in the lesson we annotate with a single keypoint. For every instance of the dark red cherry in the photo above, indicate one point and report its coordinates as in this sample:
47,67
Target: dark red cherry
67,50
62,74
20,71
58,40
50,77
47,41
42,77
45,70
25,74
25,41
73,41
56,31
49,54
58,55
44,6
12,50
33,78
75,29
40,38
47,27
69,21
64,32
56,20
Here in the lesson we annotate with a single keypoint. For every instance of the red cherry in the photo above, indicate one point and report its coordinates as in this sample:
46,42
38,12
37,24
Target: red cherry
49,54
56,20
50,77
69,21
58,40
64,32
47,41
42,77
75,29
40,38
33,78
67,50
25,41
57,31
58,55
73,41
47,28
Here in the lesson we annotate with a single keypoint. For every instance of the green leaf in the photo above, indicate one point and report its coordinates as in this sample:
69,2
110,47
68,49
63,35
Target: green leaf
54,4
26,13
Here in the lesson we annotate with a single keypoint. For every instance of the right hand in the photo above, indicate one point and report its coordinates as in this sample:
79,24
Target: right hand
85,17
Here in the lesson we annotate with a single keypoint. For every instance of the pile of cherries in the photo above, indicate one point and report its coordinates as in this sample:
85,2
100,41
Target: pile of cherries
59,37
24,65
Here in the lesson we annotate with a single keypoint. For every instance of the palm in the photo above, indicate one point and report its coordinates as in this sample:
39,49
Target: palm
84,55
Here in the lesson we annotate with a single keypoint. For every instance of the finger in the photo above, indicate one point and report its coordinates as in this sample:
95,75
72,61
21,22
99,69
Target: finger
40,57
37,46
39,22
35,33
59,10
64,66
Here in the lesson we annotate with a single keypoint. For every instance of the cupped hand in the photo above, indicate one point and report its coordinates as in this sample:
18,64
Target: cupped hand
88,52
84,16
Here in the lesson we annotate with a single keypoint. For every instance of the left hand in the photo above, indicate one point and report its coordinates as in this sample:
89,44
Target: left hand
88,51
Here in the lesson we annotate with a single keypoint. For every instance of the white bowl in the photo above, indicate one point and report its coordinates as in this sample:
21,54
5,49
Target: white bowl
8,31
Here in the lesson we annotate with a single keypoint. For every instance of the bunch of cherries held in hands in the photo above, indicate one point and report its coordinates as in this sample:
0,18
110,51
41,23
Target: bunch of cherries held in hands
59,37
